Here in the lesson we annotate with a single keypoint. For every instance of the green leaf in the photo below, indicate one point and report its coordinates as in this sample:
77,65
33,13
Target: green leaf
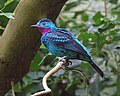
1,28
2,2
26,79
84,17
34,65
10,6
47,59
8,2
107,26
77,14
98,18
118,85
70,5
63,24
86,36
32,88
115,12
17,87
34,75
8,15
100,41
113,1
116,38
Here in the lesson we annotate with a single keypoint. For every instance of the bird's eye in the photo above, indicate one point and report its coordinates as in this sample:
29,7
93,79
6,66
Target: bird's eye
44,23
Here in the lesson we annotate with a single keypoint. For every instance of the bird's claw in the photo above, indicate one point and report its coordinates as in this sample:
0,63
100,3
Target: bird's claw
62,59
67,61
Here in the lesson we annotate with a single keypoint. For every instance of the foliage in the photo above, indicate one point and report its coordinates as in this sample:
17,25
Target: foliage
98,29
6,12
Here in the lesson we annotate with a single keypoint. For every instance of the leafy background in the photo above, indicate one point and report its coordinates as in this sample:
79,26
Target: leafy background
96,24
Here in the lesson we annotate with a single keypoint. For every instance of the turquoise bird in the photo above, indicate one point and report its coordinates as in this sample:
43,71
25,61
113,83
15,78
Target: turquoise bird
61,42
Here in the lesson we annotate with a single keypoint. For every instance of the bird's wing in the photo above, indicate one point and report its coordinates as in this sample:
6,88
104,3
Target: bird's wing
66,40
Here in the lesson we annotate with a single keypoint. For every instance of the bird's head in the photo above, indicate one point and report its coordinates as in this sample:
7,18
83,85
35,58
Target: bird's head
44,25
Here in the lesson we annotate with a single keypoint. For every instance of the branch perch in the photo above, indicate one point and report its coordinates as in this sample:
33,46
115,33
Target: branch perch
51,72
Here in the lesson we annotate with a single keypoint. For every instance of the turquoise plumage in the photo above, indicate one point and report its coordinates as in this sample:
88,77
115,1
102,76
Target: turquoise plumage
60,42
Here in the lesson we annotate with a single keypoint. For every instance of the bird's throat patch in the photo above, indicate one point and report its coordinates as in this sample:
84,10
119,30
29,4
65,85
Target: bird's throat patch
44,30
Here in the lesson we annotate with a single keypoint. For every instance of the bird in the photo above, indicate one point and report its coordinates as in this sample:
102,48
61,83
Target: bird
61,42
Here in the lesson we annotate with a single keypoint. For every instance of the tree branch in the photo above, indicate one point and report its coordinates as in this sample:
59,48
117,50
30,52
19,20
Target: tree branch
105,7
20,42
44,82
61,62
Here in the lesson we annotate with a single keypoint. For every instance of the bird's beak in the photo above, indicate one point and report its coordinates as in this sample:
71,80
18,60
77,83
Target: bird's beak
34,26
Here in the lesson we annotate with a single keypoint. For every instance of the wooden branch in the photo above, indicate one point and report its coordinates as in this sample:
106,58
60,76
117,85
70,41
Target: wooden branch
44,82
20,42
12,86
105,7
61,62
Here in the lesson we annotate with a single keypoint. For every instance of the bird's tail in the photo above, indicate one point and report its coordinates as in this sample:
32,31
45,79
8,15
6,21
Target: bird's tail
92,63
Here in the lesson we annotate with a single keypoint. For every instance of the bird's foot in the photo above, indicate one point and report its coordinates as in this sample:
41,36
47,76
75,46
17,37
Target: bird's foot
68,62
62,59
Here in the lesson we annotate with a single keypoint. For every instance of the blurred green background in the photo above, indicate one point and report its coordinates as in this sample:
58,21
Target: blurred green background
96,23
